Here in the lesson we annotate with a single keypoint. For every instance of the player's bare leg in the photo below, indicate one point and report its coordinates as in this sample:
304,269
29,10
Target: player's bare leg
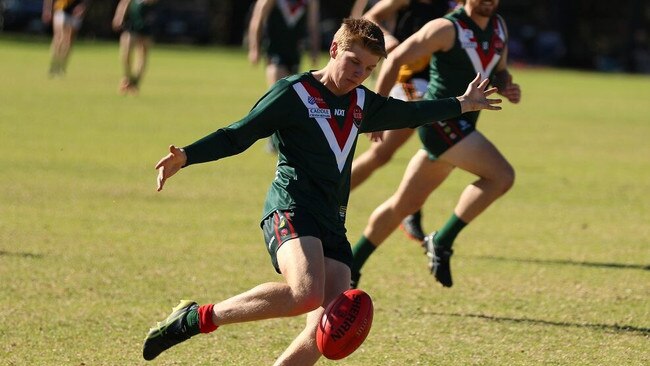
378,154
474,154
422,176
302,264
126,45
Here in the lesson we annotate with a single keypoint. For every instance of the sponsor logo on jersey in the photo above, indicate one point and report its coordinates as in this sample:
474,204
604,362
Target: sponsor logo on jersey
314,100
465,37
320,113
339,112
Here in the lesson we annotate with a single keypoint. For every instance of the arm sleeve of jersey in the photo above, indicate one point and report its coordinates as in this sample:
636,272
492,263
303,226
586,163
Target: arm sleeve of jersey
391,114
268,115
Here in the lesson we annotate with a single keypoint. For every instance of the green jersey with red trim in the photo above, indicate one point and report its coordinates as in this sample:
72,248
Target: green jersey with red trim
474,51
317,134
286,26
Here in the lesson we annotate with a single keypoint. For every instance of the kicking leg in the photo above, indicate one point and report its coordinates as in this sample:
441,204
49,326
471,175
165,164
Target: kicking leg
302,263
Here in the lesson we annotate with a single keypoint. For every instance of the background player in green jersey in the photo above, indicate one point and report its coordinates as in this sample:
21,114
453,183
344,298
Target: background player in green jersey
399,19
135,18
316,116
277,28
469,40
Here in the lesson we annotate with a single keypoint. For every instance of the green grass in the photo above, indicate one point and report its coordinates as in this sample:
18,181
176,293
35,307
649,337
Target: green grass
555,273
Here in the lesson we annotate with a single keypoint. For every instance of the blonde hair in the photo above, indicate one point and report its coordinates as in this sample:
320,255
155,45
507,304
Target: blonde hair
363,32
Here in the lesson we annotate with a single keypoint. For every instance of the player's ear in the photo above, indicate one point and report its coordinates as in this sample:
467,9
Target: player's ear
334,48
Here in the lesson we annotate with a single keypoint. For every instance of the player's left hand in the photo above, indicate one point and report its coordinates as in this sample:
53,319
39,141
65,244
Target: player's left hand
512,92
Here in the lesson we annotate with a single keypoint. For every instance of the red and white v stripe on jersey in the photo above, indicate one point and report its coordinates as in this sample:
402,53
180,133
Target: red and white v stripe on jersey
292,10
340,139
483,61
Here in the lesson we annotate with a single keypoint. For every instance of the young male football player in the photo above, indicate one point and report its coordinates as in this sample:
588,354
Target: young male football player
316,117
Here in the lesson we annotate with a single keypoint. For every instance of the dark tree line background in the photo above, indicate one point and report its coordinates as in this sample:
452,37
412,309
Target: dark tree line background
585,34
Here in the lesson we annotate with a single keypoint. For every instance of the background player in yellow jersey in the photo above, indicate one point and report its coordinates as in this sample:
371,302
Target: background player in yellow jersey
66,17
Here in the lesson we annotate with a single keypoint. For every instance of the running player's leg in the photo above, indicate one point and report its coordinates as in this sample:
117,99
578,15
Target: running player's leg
140,46
422,176
57,43
71,25
275,72
477,155
126,47
379,153
474,154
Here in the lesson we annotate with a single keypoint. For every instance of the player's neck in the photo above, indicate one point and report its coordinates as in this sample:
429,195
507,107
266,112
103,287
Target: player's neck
327,79
480,20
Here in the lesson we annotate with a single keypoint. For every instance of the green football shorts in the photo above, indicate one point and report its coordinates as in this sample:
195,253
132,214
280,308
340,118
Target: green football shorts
281,226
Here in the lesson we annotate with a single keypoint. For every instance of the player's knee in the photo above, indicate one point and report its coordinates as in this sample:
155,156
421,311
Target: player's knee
506,179
308,300
381,157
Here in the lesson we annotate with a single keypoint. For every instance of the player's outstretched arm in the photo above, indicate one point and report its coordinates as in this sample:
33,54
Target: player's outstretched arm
170,164
476,96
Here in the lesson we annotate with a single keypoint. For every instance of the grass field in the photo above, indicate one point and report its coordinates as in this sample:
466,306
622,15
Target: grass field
555,273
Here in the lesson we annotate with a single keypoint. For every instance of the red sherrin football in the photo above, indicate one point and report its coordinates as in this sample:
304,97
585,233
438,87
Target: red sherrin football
345,324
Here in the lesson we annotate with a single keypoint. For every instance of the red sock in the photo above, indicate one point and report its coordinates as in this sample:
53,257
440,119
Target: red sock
205,319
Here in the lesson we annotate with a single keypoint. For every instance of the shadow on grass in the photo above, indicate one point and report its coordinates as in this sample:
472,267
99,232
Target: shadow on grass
566,262
608,327
4,253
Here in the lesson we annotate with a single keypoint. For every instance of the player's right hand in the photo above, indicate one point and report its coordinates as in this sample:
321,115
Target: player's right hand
170,165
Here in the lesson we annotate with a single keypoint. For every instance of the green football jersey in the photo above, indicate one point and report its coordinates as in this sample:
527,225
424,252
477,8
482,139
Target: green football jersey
475,51
286,26
317,134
